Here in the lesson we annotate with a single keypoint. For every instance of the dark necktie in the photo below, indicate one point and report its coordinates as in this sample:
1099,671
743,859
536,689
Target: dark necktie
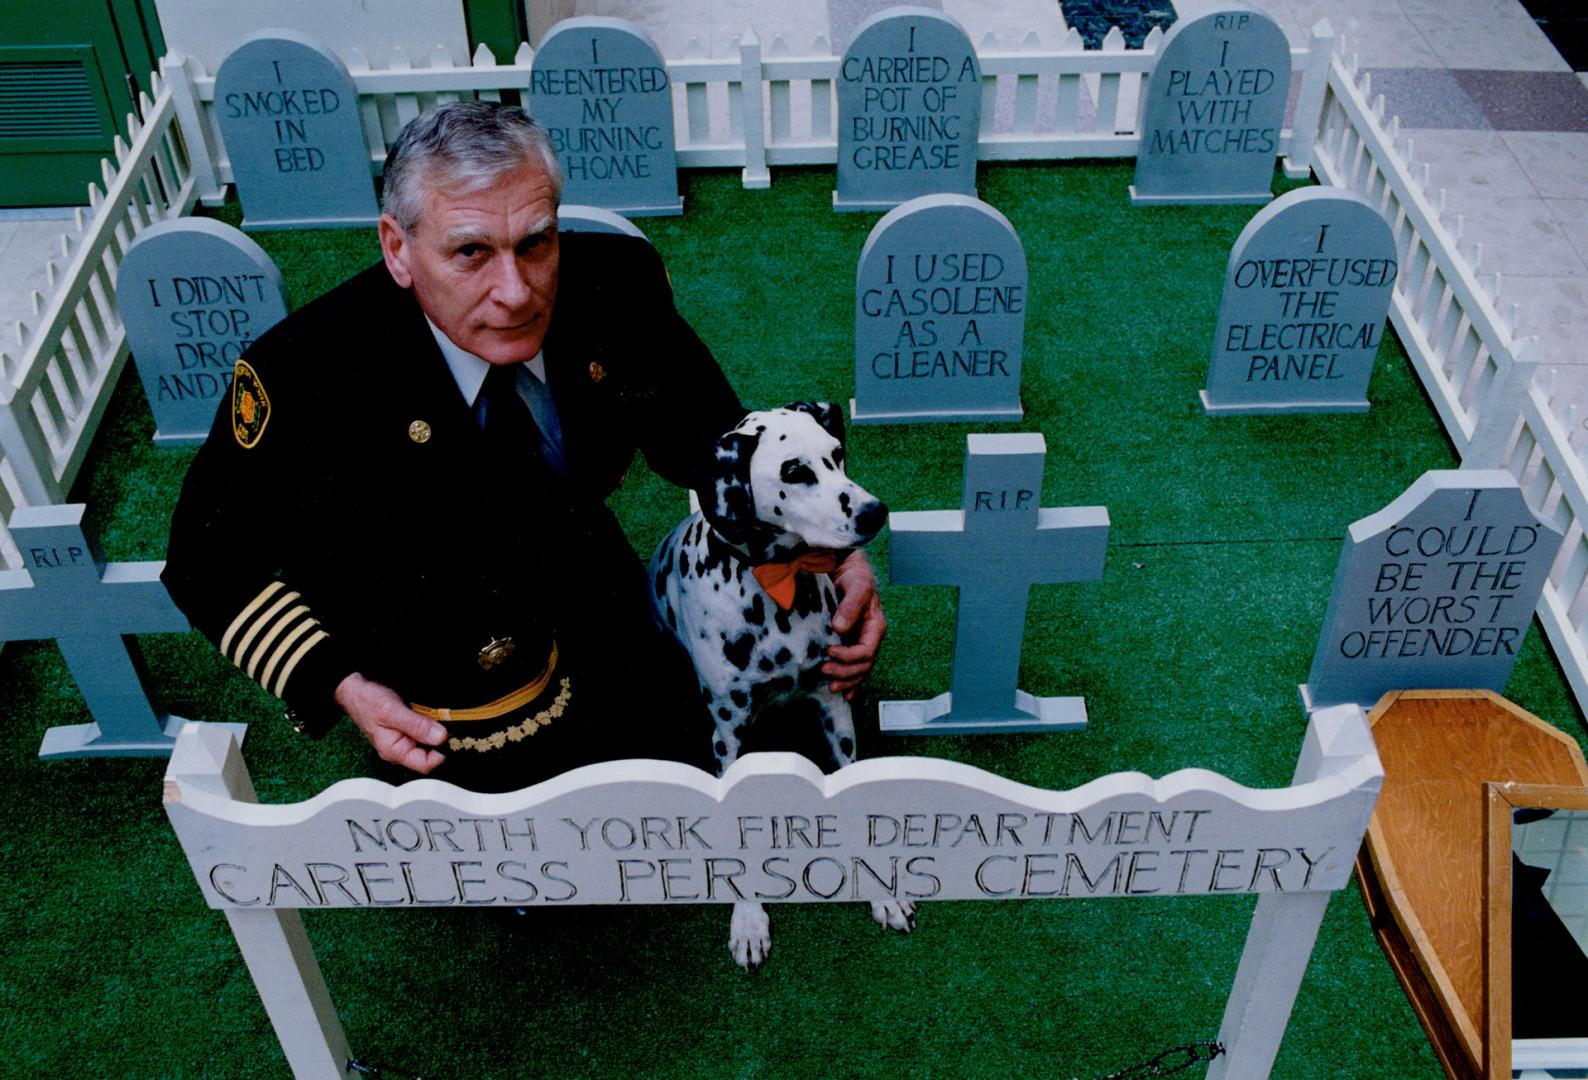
514,426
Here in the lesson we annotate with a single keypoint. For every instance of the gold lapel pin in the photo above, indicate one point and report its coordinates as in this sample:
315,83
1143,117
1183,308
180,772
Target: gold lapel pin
419,432
597,372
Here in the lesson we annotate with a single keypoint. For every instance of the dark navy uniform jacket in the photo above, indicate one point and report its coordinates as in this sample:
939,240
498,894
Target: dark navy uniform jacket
346,514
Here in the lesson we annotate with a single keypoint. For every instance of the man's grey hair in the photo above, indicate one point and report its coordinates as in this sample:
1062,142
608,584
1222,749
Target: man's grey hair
462,147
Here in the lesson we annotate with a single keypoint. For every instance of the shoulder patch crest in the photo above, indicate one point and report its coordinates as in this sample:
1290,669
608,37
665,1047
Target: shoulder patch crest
250,406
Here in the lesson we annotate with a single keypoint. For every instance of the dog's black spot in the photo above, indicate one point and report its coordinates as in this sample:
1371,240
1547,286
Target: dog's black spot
756,612
778,510
661,584
700,568
766,665
783,656
716,587
807,600
781,438
784,623
705,696
813,650
830,598
738,650
740,698
827,722
780,685
672,619
843,504
846,746
721,747
827,463
782,494
759,428
683,563
724,714
795,471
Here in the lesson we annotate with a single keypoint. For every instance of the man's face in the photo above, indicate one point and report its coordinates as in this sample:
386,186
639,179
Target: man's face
483,265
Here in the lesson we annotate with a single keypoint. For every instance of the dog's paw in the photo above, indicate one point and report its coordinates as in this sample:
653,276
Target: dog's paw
894,914
749,935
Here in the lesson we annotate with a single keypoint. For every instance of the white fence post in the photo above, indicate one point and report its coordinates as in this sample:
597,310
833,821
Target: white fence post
1285,925
273,943
1499,410
179,73
1308,118
750,105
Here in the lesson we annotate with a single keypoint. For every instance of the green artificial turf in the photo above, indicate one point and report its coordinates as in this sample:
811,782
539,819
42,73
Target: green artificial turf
1224,541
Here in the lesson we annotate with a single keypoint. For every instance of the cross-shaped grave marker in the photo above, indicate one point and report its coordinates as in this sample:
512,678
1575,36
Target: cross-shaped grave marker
92,609
994,550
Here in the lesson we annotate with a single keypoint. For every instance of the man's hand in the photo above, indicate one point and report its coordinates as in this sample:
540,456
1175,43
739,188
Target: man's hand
858,603
398,734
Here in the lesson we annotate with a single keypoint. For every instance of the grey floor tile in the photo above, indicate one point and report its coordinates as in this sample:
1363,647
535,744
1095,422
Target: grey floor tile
1520,235
1432,12
1572,216
1555,310
1527,100
1508,42
1471,161
1379,36
1427,98
1556,162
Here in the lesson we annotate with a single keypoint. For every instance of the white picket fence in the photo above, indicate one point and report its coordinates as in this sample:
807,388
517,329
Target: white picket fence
54,389
751,111
1463,341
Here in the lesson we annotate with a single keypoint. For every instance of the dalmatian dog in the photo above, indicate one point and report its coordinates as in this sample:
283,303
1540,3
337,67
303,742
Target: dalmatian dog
744,586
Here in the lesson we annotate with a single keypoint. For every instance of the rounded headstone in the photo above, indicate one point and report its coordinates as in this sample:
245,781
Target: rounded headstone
593,219
288,113
1215,106
193,294
940,309
909,110
1434,592
600,88
1306,293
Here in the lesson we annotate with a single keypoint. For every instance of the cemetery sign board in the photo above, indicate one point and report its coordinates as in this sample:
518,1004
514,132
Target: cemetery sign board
193,293
909,110
601,90
1434,592
772,828
1305,297
1214,107
289,117
940,311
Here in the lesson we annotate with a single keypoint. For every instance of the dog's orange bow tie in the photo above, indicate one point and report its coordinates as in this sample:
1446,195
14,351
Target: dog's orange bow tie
778,578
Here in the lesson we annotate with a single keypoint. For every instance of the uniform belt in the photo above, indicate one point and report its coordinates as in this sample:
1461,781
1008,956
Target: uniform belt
502,705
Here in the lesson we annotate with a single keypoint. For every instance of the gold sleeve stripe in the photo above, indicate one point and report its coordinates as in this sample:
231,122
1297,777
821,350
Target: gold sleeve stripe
280,687
242,616
282,650
299,615
258,623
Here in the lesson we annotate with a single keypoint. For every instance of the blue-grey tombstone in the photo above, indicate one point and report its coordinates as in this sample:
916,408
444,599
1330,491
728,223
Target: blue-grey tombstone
92,609
1214,107
909,110
289,117
594,219
1433,592
994,550
600,88
1305,296
940,313
193,294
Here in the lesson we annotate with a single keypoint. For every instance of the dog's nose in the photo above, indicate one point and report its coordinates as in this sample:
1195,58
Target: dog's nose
870,519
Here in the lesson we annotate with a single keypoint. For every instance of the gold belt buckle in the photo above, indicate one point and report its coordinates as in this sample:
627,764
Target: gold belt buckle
496,652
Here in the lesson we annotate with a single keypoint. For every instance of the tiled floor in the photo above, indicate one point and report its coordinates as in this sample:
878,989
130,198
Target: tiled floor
1486,98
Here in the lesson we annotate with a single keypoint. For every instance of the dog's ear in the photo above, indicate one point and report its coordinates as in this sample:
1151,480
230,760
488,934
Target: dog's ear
729,505
828,415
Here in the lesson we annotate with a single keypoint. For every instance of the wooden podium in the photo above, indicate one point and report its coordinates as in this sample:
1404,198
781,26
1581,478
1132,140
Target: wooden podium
1422,864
